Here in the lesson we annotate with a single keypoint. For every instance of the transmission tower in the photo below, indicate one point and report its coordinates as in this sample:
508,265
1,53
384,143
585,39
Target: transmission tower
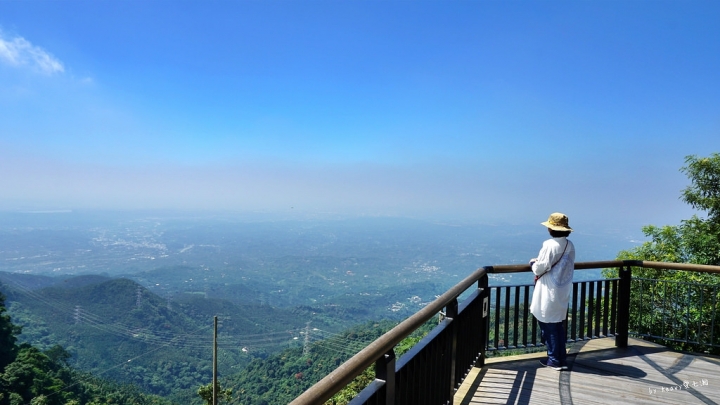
306,344
139,295
77,314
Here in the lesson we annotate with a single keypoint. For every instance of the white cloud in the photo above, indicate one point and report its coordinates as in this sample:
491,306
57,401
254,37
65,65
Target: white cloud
20,52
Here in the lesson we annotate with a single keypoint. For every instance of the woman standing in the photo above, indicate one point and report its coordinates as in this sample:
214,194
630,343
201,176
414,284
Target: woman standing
553,270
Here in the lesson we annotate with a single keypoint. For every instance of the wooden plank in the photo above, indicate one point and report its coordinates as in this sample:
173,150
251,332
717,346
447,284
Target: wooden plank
600,373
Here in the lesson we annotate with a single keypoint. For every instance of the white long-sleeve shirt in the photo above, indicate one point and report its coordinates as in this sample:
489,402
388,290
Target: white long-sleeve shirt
552,291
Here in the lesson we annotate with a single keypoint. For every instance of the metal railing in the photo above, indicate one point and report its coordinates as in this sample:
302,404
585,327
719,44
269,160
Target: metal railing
678,312
433,369
592,313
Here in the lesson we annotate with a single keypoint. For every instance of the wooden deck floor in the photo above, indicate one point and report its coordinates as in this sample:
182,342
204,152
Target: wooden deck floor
599,373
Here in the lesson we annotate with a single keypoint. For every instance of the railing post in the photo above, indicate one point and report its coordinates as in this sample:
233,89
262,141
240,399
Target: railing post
452,312
623,316
484,286
385,370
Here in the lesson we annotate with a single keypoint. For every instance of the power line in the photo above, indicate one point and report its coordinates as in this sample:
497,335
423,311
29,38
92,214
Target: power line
81,316
99,373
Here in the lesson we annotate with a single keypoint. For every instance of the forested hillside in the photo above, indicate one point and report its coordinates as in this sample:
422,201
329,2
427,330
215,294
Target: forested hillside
29,375
278,379
117,329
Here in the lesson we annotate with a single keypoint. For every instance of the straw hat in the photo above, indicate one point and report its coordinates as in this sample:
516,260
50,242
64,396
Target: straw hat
557,222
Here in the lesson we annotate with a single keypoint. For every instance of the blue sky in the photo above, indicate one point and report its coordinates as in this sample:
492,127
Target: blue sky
484,110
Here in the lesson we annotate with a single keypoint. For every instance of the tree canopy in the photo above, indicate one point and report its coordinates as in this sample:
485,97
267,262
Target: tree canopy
8,333
694,240
704,191
680,308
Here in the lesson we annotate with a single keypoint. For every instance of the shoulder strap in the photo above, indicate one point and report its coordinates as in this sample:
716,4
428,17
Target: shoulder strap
558,259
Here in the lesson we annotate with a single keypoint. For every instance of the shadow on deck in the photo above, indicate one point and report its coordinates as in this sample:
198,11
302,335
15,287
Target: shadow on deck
600,373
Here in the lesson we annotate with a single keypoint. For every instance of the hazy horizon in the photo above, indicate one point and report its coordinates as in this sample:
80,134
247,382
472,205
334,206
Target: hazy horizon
469,111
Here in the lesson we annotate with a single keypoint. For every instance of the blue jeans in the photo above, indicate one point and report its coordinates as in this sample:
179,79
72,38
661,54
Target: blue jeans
554,337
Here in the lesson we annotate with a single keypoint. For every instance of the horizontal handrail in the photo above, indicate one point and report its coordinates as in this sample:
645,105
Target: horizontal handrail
520,268
346,372
702,268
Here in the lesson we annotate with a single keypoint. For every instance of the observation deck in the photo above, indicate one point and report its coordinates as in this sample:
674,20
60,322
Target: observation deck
599,373
611,359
